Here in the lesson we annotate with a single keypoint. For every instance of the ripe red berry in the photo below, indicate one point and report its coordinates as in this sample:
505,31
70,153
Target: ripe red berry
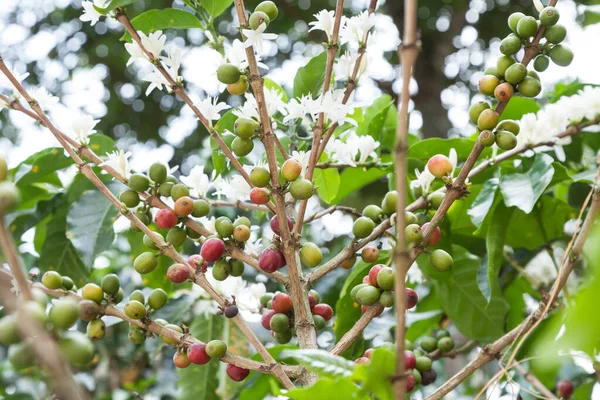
435,237
370,254
439,165
324,310
410,361
196,260
212,249
312,301
275,225
270,260
282,303
362,360
564,388
412,298
373,272
266,319
165,218
410,383
197,354
236,373
260,195
178,273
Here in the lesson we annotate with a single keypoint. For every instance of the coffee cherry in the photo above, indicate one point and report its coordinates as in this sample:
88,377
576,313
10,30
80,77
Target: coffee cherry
530,87
424,363
135,310
370,254
137,336
260,195
88,310
488,83
506,140
363,227
527,27
435,237
240,87
236,373
435,199
35,312
165,218
476,109
96,329
216,349
179,190
429,344
52,280
487,138
509,125
514,19
265,320
181,360
201,208
228,73
21,355
324,310
158,173
412,298
220,270
440,260
488,119
275,225
349,263
387,299
356,288
503,63
373,212
246,128
184,206
565,388
9,330
282,303
491,71
241,233
144,216
410,361
549,16
178,273
555,34
367,296
118,297
386,278
541,63
137,295
319,322
197,354
428,377
145,262
509,46
110,284
310,255
176,236
260,177
416,376
282,337
139,182
3,168
224,226
92,292
504,91
231,312
269,8
410,218
291,170
165,189
269,260
561,55
515,73
149,242
130,198
302,189
413,233
388,204
67,283
242,147
257,18
442,333
76,348
280,323
373,272
445,344
439,165
212,249
157,299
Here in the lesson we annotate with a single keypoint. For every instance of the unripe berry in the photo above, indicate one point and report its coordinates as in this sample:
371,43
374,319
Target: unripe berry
510,45
67,283
3,169
429,344
260,177
176,236
241,233
165,189
349,263
130,198
324,310
440,260
242,147
76,348
212,249
240,87
291,169
260,195
184,206
52,280
491,71
181,360
506,140
385,278
216,348
110,284
245,128
515,73
179,190
527,27
413,233
373,212
428,377
503,63
488,119
236,373
356,288
412,298
363,227
139,182
257,18
416,375
158,173
541,63
201,208
509,125
145,262
96,329
368,295
514,19
530,87
282,303
439,165
224,226
269,8
9,330
549,16
410,218
231,312
228,73
476,109
165,218
220,270
445,344
88,310
424,363
269,260
157,299
387,299
192,234
561,55
178,273
136,336
314,294
555,34
422,218
310,255
237,267
504,91
135,310
487,84
280,323
93,292
319,322
388,204
197,354
302,189
265,320
370,254
435,199
564,388
282,337
275,225
137,295
64,313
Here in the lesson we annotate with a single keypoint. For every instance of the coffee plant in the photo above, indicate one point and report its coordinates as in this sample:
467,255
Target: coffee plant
224,281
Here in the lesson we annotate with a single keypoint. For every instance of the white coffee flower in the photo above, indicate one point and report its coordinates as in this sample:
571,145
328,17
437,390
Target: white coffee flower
119,161
82,126
197,181
255,38
211,108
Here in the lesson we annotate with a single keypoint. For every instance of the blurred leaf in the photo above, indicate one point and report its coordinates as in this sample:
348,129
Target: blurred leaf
523,190
375,117
322,362
21,221
483,202
219,161
154,20
215,7
271,84
102,144
376,375
425,149
111,5
514,295
42,167
353,179
327,182
388,135
309,79
519,106
590,17
326,389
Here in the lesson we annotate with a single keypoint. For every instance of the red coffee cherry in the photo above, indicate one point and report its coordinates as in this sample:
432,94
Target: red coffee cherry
324,310
410,361
260,195
196,260
236,373
282,303
439,165
178,273
412,298
435,237
410,383
373,272
181,360
275,225
197,354
564,388
266,319
212,249
270,260
165,218
312,301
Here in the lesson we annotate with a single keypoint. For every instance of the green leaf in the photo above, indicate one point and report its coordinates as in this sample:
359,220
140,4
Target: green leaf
215,7
483,202
327,182
219,161
309,79
496,236
42,167
523,190
590,18
111,5
322,362
102,144
375,117
90,223
519,106
388,135
327,389
425,149
226,122
21,221
353,179
376,376
271,84
154,20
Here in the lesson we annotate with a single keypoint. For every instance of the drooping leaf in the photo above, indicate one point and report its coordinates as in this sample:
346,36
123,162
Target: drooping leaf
154,20
327,182
21,221
42,167
216,7
309,79
322,362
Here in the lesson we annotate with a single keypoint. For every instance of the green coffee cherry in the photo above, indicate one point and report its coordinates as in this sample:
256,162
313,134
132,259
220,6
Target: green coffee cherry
310,255
561,55
10,197
410,218
487,138
119,296
510,45
555,34
148,242
509,125
67,283
96,329
515,73
257,18
428,343
237,267
527,27
64,313
488,119
442,333
436,199
506,140
9,330
144,216
368,295
245,128
216,349
192,234
242,221
503,63
541,63
157,299
52,280
355,290
413,233
110,284
201,208
386,278
387,299
424,363
21,355
176,236
165,189
76,348
3,169
534,74
179,190
260,176
373,212
139,182
549,16
301,189
138,296
491,71
514,19
130,198
228,73
137,336
475,110
145,262
445,344
530,87
441,260
280,323
319,322
363,227
388,205
242,147
224,226
135,310
269,8
93,292
158,173
487,84
220,270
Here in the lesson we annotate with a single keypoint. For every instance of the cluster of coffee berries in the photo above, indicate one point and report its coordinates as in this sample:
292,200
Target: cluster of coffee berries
279,317
291,170
373,214
492,130
10,196
201,353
